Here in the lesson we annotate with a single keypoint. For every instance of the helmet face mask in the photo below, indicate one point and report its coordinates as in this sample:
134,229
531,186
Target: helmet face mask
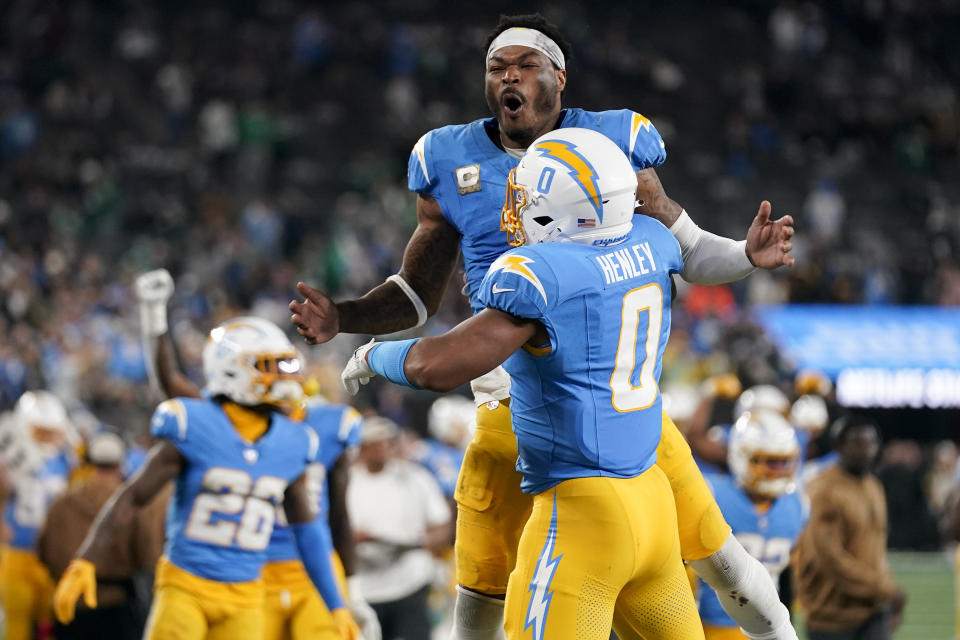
251,362
572,185
514,205
764,454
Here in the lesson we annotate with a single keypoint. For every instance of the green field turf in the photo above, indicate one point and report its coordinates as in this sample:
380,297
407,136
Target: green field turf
928,580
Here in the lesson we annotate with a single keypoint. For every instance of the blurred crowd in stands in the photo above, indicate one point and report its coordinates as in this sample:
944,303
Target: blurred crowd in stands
248,145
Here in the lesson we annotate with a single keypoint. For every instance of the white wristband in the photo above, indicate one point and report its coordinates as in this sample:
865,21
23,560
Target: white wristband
412,295
153,318
708,258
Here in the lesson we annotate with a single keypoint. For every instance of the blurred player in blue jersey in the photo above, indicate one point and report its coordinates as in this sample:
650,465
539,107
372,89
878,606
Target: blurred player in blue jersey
710,441
44,460
759,500
589,303
293,608
235,459
460,175
450,425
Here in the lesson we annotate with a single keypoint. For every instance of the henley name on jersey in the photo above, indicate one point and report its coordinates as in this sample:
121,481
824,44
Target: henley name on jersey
626,263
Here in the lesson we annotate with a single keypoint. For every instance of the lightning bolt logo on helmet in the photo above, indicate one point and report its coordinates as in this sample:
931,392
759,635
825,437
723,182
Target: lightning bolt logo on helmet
580,168
540,594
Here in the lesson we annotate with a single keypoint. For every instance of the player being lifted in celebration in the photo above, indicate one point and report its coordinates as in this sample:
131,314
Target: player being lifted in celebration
235,458
460,175
292,607
590,308
759,500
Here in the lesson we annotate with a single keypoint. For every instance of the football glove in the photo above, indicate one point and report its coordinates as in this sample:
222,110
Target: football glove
357,371
154,289
363,613
80,578
345,625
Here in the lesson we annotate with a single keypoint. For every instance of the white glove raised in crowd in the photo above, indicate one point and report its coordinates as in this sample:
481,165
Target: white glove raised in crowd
357,371
154,289
362,612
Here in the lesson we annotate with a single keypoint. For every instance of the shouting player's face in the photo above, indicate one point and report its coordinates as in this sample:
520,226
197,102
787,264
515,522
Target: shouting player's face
523,93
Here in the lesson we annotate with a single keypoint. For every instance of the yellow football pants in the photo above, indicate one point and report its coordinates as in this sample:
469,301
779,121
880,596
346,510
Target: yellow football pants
293,609
723,633
26,592
492,510
188,607
598,553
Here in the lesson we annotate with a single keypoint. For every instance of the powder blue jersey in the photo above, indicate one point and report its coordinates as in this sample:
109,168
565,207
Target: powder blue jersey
32,496
225,503
769,537
588,404
466,173
441,460
338,427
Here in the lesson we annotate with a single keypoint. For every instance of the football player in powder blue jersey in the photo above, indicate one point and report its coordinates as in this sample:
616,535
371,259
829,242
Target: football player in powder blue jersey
580,316
292,607
235,458
37,461
459,174
759,499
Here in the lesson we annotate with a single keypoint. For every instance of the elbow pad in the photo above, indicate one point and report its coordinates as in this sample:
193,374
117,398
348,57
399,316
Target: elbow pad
708,258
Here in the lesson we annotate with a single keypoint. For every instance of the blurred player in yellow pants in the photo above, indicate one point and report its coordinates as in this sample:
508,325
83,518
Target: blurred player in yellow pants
40,430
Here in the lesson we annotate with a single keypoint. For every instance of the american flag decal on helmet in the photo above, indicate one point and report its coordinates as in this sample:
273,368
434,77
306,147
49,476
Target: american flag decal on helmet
587,223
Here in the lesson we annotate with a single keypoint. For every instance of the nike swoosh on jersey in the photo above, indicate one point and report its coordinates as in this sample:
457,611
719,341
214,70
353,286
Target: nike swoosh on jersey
496,289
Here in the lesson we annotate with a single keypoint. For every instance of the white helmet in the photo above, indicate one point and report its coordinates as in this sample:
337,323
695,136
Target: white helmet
452,419
19,454
809,413
763,454
571,185
251,361
43,419
761,397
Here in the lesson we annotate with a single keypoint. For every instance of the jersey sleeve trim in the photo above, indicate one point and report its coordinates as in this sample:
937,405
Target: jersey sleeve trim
350,420
313,444
636,122
176,409
420,150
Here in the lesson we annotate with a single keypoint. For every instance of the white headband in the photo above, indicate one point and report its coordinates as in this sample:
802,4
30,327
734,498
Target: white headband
528,38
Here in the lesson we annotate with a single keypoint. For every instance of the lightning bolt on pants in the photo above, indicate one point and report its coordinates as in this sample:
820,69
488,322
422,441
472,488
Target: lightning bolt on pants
602,553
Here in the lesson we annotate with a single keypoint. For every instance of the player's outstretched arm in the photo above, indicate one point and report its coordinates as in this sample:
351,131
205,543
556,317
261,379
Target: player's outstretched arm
313,543
443,363
173,382
709,258
162,465
469,350
653,199
403,301
154,289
